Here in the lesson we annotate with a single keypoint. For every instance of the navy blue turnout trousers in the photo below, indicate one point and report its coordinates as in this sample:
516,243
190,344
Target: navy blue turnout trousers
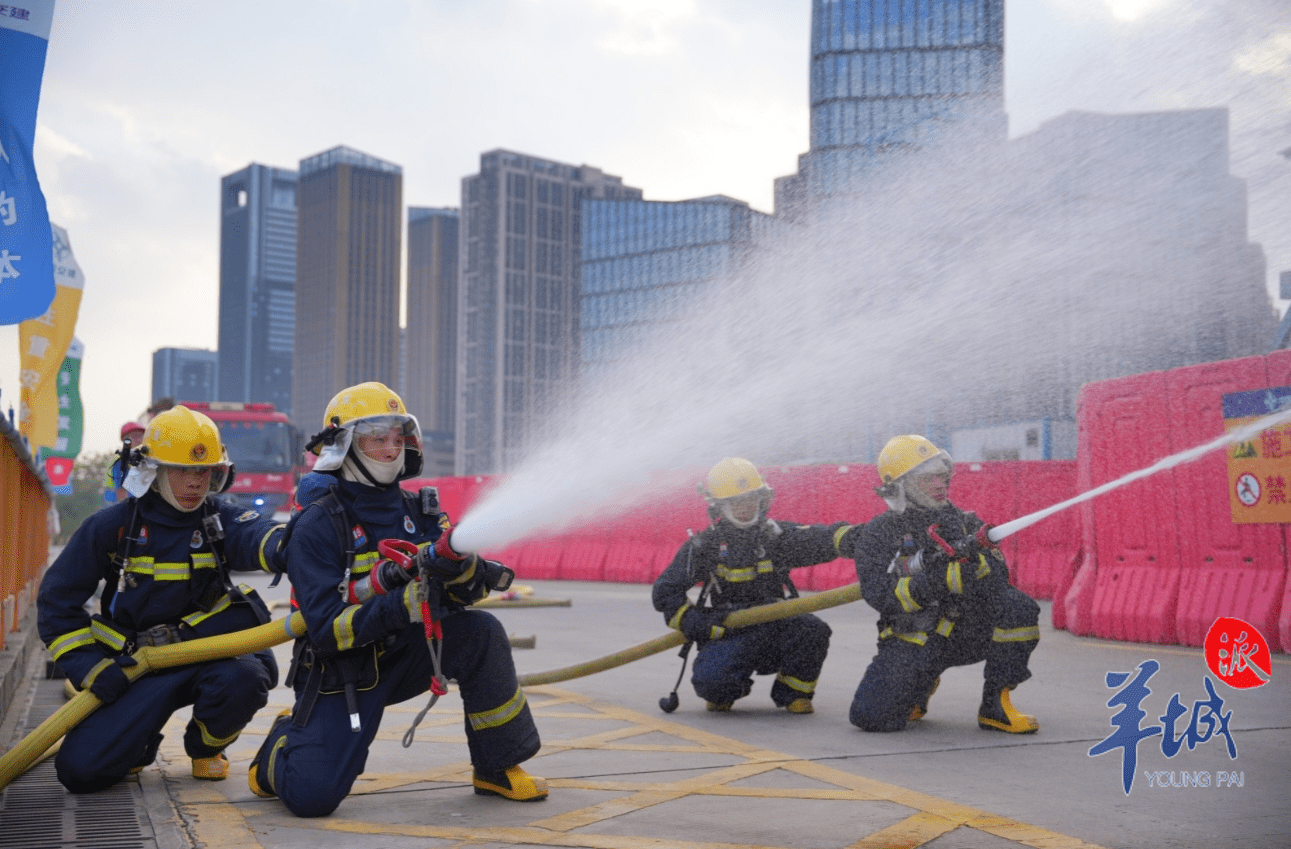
225,695
902,673
315,768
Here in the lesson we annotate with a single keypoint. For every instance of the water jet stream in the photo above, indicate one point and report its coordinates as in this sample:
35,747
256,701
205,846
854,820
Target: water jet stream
1245,432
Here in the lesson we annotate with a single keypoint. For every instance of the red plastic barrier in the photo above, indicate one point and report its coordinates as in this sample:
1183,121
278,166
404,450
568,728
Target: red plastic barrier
1135,526
989,490
583,557
1040,560
1228,569
1278,365
540,560
1058,612
630,561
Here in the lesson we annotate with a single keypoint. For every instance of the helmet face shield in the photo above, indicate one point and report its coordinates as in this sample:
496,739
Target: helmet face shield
744,511
141,477
381,428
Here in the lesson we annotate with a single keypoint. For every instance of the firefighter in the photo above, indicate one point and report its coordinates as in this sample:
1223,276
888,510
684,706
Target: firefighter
367,644
164,556
942,591
744,559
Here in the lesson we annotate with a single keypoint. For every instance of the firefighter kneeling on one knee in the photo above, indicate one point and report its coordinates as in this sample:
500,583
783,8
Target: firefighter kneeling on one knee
743,559
355,556
942,591
164,556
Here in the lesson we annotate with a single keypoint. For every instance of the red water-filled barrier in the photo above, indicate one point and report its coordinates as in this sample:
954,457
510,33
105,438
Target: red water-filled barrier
1156,560
635,546
1162,556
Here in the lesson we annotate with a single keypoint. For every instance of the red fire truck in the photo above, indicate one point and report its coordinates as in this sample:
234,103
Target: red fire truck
265,448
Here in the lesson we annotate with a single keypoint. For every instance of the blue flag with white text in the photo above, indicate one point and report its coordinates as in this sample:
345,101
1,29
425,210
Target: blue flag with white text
26,243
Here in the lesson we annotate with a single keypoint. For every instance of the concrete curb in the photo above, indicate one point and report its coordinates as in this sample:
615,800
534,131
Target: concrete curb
14,674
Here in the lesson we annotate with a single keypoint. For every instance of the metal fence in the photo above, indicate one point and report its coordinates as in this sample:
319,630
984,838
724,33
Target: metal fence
26,512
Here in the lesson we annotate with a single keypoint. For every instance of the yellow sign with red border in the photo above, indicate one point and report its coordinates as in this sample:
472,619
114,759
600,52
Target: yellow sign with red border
1259,468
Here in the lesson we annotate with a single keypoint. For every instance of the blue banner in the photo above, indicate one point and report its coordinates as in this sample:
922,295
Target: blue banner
26,244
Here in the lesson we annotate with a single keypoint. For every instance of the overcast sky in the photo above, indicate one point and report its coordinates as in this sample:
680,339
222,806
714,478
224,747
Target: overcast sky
146,105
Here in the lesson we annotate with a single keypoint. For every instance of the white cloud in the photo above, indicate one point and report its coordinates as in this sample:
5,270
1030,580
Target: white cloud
1271,56
1132,10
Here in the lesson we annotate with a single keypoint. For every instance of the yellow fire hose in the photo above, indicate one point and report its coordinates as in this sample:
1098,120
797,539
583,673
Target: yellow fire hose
36,746
736,619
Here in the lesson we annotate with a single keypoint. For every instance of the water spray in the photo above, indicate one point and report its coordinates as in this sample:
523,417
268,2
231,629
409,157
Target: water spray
1241,434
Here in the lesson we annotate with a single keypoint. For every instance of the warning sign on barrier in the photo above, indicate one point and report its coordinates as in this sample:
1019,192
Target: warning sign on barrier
1259,469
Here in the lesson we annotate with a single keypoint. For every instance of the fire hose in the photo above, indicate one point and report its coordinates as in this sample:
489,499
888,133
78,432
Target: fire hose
735,619
36,745
33,748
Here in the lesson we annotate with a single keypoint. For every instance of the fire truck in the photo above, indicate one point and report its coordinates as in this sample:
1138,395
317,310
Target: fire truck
266,449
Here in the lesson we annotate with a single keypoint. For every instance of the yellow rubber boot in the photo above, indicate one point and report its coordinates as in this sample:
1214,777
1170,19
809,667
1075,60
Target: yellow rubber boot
800,706
998,714
920,710
718,707
214,768
514,784
260,783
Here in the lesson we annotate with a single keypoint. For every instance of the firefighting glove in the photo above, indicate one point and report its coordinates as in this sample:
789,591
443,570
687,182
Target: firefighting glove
700,626
107,680
442,562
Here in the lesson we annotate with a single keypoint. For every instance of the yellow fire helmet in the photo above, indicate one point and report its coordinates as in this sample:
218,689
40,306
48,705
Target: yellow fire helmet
183,438
737,493
370,407
903,454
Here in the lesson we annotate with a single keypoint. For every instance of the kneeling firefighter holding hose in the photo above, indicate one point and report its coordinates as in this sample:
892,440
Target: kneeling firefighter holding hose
941,587
385,599
164,557
744,559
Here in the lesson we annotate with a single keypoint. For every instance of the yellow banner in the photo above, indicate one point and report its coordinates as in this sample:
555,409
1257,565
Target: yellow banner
43,343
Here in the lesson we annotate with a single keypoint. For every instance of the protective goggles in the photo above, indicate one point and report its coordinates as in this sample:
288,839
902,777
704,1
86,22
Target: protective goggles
333,452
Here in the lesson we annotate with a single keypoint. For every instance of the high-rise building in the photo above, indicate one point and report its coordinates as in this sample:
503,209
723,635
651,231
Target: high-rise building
893,78
518,313
649,264
257,285
184,374
347,277
430,345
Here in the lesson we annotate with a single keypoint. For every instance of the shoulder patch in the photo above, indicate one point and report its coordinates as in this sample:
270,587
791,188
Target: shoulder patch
247,516
359,536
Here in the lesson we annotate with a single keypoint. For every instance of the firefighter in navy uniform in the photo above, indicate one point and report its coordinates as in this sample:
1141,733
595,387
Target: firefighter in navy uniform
368,648
744,559
943,596
164,556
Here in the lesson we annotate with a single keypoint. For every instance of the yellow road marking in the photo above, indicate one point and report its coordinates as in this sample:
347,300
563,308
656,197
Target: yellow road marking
215,819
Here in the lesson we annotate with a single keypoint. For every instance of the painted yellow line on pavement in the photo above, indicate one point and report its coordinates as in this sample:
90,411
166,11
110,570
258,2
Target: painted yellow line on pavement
218,816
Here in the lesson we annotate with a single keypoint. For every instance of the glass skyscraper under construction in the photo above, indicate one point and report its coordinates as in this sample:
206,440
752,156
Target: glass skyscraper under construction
892,77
